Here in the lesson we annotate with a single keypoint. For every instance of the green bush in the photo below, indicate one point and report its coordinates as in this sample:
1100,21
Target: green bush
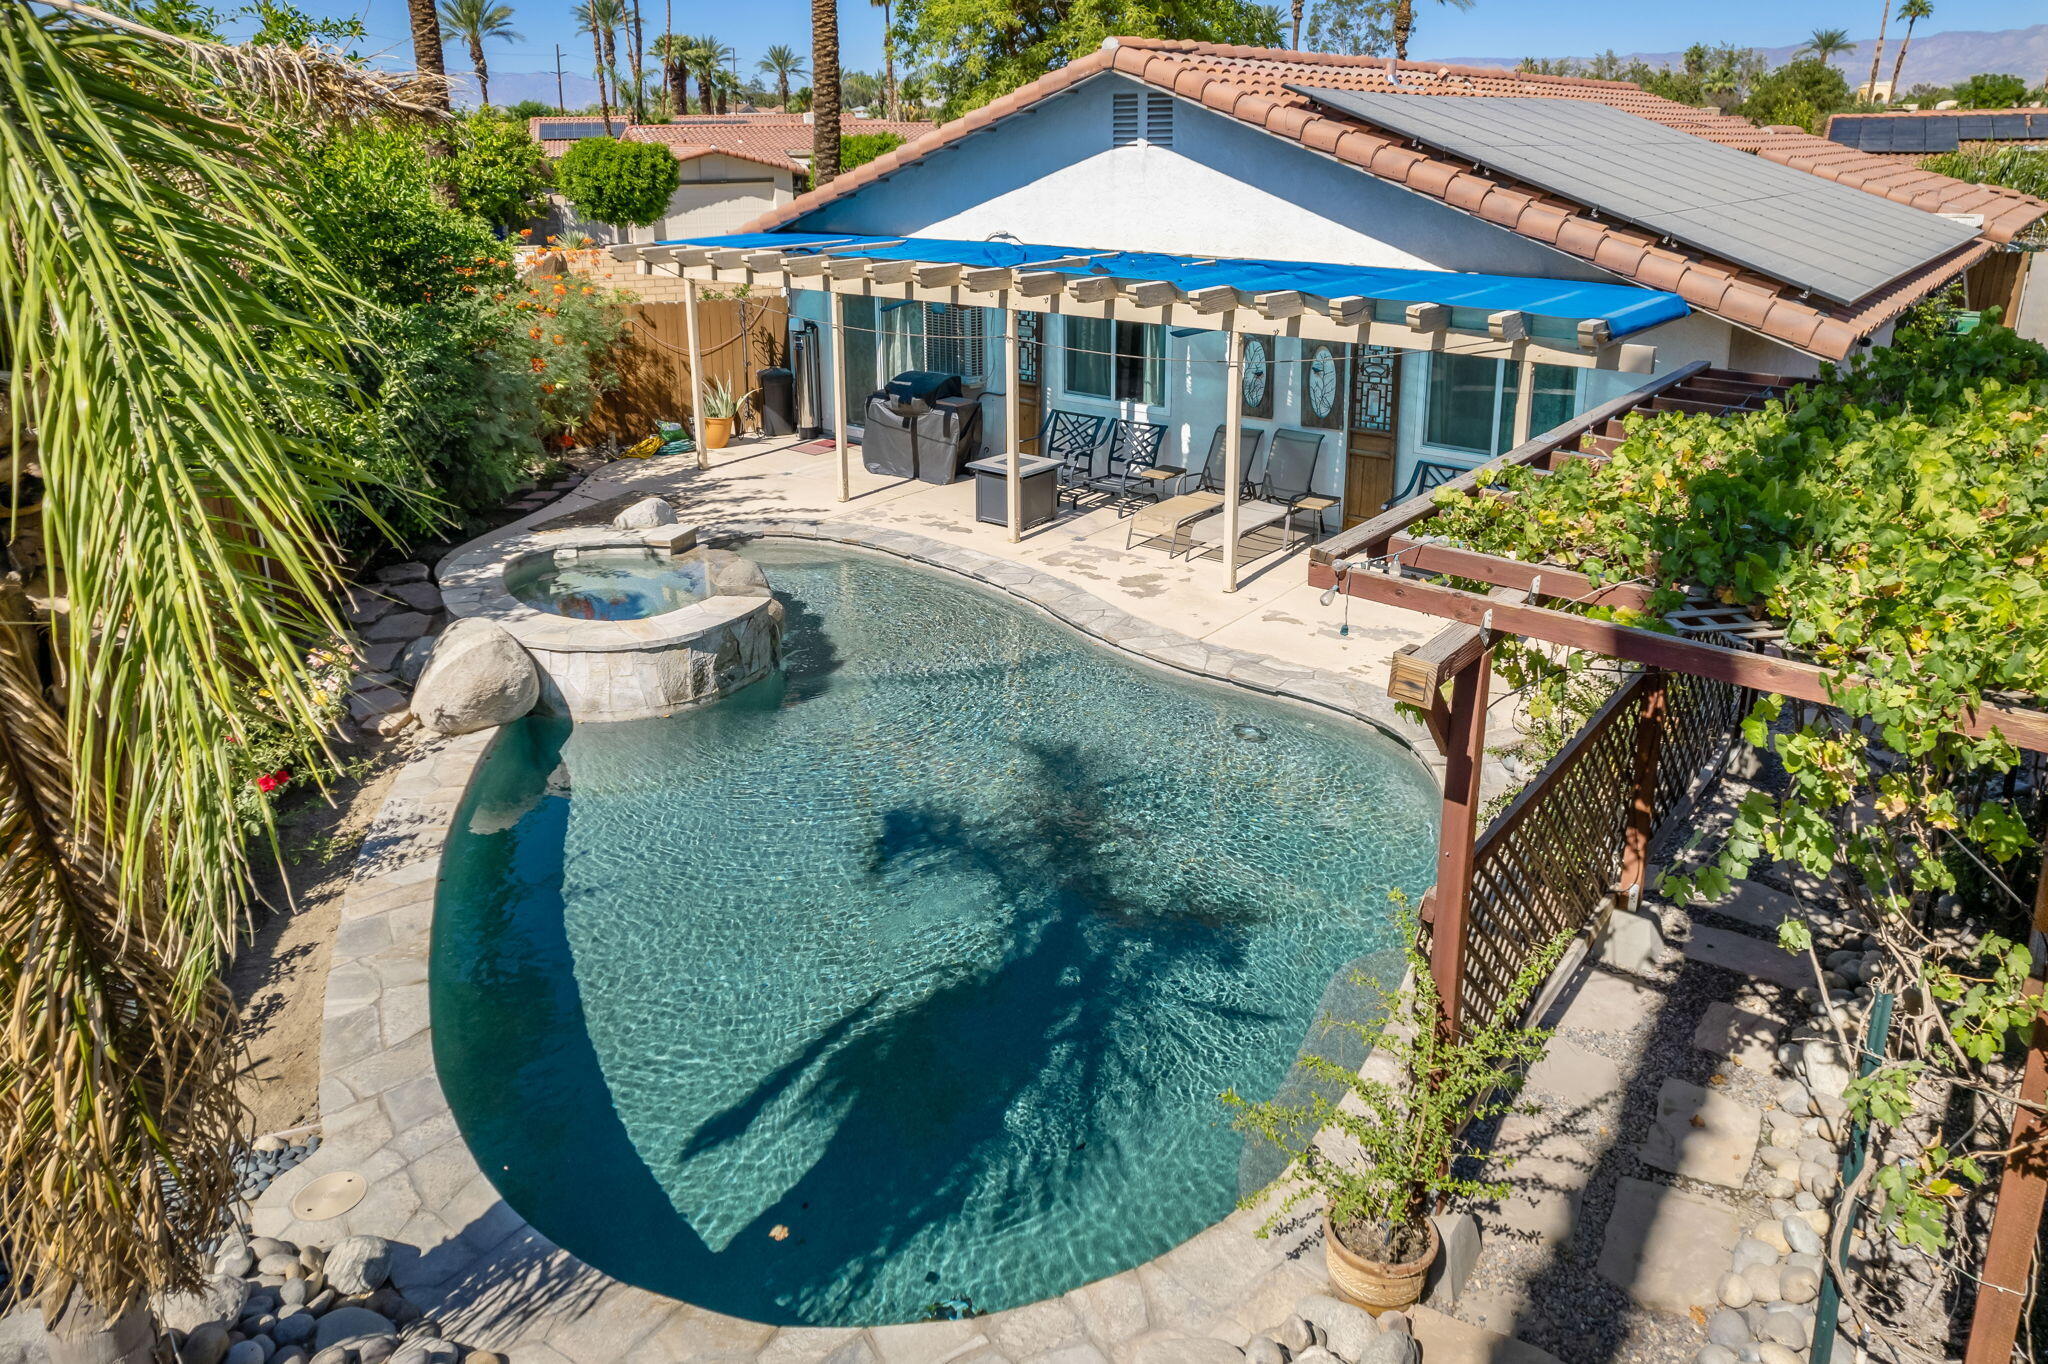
1801,93
501,174
627,184
857,149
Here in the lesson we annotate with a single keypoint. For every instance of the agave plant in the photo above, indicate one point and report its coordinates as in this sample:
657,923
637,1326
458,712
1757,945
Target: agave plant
168,561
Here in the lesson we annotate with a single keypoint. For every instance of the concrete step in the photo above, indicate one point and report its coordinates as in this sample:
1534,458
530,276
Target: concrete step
1446,1340
1702,1135
1747,956
1748,1039
1667,1249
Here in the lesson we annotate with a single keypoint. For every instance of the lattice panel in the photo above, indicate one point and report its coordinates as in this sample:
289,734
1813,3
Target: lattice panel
1544,864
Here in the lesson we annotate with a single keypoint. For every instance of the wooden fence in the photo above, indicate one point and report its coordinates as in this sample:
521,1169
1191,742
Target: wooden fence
1582,827
740,337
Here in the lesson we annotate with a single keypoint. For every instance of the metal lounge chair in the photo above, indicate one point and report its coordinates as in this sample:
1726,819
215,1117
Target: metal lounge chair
1291,475
1428,474
1171,516
1071,438
1133,449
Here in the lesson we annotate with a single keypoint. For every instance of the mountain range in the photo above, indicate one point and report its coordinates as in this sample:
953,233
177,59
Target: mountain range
1933,59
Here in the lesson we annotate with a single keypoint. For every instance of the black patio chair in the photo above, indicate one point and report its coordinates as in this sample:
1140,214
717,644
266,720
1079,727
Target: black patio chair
1428,474
1133,453
1072,438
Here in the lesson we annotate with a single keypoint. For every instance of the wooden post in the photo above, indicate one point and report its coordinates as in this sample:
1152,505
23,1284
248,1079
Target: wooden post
2022,1193
1525,401
1452,898
1233,450
839,394
1642,809
1013,417
696,375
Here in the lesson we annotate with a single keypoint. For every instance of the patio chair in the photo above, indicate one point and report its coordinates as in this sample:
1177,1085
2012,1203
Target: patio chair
1428,474
1291,475
1071,438
1170,516
1133,450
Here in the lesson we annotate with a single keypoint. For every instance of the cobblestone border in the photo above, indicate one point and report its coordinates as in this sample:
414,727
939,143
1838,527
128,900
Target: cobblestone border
468,1259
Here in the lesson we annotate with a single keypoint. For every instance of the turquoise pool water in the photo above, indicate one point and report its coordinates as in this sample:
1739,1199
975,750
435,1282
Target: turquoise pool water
935,953
610,584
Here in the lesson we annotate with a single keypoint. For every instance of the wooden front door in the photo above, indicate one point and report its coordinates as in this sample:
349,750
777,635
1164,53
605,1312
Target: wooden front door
1372,419
1030,379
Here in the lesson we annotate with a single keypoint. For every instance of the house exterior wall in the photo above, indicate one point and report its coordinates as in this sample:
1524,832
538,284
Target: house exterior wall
1050,175
715,194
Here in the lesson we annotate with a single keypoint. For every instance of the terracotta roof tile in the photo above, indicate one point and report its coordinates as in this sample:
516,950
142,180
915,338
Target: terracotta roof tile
1250,84
778,140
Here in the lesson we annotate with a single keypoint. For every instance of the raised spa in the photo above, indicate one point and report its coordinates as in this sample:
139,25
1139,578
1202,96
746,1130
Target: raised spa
608,584
912,976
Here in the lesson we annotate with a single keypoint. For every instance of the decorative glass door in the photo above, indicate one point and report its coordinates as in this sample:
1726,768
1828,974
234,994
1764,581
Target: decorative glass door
1372,423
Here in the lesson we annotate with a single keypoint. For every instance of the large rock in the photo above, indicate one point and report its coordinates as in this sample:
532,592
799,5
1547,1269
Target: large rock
479,677
359,1264
412,660
220,1298
730,575
1827,1071
645,514
1345,1327
346,1323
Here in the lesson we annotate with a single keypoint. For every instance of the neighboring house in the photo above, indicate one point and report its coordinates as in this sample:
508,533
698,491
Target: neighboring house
1426,263
1926,132
735,167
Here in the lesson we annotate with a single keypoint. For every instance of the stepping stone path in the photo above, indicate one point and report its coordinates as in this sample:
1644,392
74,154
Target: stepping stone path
1701,1135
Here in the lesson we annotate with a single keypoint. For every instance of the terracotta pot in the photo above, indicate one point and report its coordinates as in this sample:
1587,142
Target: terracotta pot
1372,1284
717,432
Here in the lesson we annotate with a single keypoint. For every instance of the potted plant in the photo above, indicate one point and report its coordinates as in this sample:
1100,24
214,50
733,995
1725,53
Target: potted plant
1377,1143
720,407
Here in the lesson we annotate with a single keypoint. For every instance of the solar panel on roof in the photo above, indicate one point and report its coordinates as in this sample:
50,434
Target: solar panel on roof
1814,234
1975,128
554,130
2009,127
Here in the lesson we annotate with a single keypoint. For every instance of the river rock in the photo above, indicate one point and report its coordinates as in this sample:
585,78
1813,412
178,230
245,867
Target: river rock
1772,1234
294,1326
345,1323
412,660
1799,1286
479,677
294,1292
645,514
1257,1350
1800,1237
374,1349
1771,1352
238,1261
279,1264
1345,1329
254,1350
1786,1328
1827,1071
1715,1354
1734,1291
1763,1281
1295,1334
1728,1328
206,1343
1750,1251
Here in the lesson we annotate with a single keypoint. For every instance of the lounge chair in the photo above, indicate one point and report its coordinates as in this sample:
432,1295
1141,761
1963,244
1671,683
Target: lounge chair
1282,495
1133,449
1170,516
1428,474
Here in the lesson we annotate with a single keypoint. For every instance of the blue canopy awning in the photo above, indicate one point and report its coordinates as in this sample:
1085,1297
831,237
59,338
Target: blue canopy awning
1563,304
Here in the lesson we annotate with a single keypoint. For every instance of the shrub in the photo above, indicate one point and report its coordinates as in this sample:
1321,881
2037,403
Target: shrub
627,184
857,149
501,174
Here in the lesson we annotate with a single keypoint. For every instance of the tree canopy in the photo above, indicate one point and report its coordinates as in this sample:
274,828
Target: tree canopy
627,184
978,50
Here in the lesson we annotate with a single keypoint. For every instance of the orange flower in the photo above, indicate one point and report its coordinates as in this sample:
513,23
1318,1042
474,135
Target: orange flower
561,289
527,232
547,388
534,333
557,339
538,364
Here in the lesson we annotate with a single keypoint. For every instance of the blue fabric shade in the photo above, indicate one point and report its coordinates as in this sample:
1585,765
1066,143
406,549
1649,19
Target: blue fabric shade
1623,307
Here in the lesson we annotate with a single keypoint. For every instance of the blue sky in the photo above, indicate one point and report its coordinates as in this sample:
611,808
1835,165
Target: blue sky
1488,28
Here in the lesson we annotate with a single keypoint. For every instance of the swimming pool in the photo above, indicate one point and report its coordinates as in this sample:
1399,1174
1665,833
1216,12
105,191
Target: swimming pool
910,977
608,584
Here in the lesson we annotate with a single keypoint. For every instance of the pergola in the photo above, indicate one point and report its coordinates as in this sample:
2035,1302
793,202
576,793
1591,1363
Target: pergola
1393,559
1527,322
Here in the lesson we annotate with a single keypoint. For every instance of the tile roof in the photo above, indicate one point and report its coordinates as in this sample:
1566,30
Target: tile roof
773,139
1249,84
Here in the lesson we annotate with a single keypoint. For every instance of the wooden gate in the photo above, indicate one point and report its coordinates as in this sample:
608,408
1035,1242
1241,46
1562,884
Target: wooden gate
740,337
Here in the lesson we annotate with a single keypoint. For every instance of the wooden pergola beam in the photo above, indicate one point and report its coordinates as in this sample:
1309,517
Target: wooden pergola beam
1093,288
1674,653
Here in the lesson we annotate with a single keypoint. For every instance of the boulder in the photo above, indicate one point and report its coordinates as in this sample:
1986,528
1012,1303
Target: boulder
730,575
479,677
398,625
346,1323
221,1298
412,660
645,514
359,1264
1389,1347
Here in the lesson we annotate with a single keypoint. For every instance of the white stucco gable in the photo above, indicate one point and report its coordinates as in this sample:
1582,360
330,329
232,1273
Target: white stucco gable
1051,174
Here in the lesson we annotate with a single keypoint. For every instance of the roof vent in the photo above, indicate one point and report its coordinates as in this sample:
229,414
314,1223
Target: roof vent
1131,122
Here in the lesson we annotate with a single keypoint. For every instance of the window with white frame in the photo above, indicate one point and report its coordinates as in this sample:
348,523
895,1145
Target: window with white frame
1472,398
935,336
1123,362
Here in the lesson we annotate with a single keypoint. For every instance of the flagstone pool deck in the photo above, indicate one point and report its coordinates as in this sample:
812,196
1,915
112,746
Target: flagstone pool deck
472,1263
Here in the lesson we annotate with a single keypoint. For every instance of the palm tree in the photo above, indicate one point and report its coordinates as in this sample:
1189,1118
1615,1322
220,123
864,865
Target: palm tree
892,104
1877,53
783,63
1402,22
1826,42
672,50
183,521
1912,11
824,91
708,57
1296,42
426,40
635,53
473,21
601,20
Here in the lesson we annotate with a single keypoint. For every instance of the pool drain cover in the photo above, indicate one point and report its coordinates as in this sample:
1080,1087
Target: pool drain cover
329,1196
